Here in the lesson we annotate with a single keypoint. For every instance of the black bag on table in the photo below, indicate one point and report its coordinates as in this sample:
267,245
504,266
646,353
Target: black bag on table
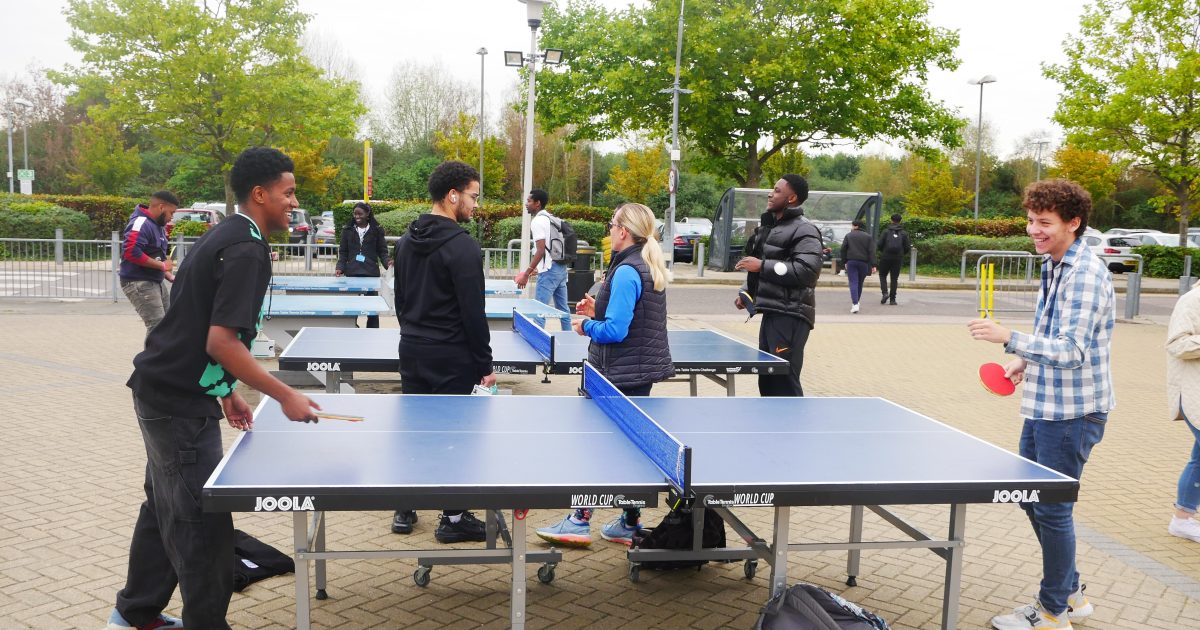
255,560
808,607
675,532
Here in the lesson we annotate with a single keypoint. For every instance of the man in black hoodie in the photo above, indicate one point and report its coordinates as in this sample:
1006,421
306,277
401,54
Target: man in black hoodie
782,266
893,247
445,346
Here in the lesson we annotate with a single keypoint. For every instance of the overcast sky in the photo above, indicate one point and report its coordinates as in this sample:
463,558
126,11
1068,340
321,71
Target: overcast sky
1008,39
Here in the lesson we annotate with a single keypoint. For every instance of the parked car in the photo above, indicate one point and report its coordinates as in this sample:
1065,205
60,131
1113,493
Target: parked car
197,215
832,235
1108,245
298,226
686,236
1160,238
1124,231
324,234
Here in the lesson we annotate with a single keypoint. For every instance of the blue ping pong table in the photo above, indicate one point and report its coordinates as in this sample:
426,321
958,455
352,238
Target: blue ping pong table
333,355
500,311
285,315
345,284
605,450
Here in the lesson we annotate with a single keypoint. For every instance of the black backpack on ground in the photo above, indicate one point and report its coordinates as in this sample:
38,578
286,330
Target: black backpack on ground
808,607
255,560
567,245
675,532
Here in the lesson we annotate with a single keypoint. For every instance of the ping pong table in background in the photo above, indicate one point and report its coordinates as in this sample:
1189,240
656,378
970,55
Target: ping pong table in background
285,315
365,285
332,355
500,311
606,450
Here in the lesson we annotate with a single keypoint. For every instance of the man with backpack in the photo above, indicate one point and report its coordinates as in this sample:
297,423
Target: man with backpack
550,236
894,247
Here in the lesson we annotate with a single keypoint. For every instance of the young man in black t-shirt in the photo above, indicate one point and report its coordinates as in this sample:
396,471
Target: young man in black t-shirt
183,382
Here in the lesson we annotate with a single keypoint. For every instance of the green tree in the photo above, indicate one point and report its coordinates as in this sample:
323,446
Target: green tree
1093,170
460,141
103,163
643,174
209,78
770,73
933,192
1131,86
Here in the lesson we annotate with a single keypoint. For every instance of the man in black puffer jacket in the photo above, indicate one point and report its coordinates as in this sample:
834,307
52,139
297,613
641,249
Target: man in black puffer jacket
782,265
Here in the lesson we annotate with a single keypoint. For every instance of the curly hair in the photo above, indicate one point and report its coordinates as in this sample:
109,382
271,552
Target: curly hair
1063,197
258,166
451,175
799,185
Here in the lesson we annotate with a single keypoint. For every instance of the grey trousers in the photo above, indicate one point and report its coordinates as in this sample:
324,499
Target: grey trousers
149,299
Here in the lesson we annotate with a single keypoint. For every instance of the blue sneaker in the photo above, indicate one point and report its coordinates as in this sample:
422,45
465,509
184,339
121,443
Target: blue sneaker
567,532
617,531
117,622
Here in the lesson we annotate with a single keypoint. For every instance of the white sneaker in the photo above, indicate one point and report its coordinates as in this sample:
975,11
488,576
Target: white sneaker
854,309
1078,606
1184,528
1031,617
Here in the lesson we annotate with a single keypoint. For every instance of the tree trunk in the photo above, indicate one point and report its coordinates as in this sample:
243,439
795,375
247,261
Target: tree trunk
1183,194
230,200
753,165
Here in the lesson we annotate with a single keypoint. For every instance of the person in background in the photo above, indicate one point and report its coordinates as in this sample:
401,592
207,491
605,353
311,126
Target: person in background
552,274
1183,402
627,325
363,250
858,257
146,267
894,246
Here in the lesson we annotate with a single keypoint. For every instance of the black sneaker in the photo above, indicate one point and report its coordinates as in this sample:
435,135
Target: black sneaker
892,301
467,529
403,521
883,300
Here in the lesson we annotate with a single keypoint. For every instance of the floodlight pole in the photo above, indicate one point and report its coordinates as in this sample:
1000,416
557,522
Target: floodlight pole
530,103
979,136
668,240
11,174
1040,143
482,52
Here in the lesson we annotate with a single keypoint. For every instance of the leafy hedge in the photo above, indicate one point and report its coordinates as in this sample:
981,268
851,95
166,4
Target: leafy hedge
107,213
189,228
42,223
948,250
921,228
1163,261
486,224
510,228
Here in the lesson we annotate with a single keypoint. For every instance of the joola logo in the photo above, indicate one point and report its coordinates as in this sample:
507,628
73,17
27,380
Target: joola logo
324,366
283,504
745,498
575,370
1015,496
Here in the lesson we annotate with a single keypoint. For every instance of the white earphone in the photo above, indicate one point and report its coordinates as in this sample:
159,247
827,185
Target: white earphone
453,199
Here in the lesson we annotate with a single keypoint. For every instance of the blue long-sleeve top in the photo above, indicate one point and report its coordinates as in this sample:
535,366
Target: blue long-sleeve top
624,293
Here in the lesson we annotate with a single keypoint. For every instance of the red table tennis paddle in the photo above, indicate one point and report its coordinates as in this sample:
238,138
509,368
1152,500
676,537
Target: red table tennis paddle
993,379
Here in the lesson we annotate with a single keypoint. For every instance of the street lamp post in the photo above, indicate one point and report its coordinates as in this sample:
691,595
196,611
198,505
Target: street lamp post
10,115
533,13
482,52
987,78
669,222
25,106
1040,142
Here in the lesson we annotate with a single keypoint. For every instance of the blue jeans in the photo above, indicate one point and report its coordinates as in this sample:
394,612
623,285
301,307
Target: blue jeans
1188,496
1064,446
552,290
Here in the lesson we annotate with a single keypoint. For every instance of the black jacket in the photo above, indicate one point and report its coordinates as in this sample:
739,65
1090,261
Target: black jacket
373,247
858,245
893,233
791,253
439,288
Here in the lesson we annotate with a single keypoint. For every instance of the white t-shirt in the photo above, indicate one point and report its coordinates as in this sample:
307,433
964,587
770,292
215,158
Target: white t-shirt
362,232
540,230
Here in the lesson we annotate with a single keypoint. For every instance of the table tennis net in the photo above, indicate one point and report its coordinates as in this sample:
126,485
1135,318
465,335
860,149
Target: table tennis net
667,452
536,336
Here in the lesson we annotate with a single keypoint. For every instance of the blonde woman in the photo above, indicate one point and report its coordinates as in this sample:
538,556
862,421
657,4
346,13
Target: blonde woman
627,323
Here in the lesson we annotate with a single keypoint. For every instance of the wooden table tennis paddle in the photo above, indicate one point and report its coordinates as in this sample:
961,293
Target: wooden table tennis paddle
333,416
991,375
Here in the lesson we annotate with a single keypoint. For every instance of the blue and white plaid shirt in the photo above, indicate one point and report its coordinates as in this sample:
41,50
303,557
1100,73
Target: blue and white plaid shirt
1069,373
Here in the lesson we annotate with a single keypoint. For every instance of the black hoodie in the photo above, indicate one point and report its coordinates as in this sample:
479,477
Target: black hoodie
439,288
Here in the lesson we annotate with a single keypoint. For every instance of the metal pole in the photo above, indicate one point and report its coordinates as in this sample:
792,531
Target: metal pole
978,149
25,142
527,185
11,174
591,169
669,224
481,52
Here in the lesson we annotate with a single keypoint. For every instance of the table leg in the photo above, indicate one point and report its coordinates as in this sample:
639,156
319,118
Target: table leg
694,385
300,542
333,382
319,565
730,390
954,559
779,551
518,570
852,559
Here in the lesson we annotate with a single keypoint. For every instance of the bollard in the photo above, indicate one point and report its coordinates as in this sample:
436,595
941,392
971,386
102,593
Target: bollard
1133,293
912,264
1185,281
114,244
308,250
700,259
58,246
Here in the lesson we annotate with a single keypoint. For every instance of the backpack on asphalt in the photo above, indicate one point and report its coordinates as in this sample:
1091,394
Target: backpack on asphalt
675,532
808,607
563,243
